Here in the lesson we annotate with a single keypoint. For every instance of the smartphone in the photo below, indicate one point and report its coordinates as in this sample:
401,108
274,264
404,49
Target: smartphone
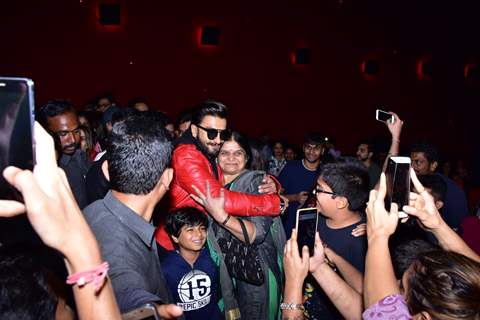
306,226
147,311
16,129
384,116
397,176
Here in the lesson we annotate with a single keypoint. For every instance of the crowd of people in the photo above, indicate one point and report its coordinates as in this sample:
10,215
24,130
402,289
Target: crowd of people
126,210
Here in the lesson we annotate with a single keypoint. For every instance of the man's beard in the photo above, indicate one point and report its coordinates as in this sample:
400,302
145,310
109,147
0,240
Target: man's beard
204,147
363,159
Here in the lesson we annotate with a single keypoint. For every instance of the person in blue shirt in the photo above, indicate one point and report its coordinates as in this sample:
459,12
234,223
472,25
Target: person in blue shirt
298,179
190,272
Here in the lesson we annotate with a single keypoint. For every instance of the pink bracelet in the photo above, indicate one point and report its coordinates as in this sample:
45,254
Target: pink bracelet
97,276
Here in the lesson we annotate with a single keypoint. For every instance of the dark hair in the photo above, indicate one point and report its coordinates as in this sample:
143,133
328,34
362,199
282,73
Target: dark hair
89,137
430,151
445,284
406,252
185,116
134,101
168,121
186,216
110,113
106,95
314,138
92,117
282,143
53,108
294,148
347,177
24,292
138,152
120,114
436,184
370,145
209,108
243,143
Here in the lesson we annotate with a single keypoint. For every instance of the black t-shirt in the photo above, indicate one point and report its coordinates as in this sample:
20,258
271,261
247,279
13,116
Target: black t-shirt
353,249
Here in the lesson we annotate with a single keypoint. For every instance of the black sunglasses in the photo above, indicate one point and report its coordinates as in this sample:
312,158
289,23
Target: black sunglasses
320,190
213,133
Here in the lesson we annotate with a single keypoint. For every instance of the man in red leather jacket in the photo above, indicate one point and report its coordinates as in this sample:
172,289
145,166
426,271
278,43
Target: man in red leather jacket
194,163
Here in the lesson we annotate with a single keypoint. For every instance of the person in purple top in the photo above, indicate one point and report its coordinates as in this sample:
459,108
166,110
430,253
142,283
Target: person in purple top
437,285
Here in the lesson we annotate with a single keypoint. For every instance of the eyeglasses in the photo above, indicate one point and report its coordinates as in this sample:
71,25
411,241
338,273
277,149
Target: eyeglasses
213,133
320,190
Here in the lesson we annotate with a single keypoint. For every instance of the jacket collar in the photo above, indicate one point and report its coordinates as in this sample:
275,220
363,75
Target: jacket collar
188,138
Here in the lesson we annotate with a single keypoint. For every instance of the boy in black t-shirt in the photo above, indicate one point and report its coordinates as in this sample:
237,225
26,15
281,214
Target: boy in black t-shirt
341,191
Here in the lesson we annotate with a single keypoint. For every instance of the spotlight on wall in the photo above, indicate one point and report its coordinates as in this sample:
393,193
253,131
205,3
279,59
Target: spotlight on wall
370,67
210,36
471,72
109,14
303,56
424,68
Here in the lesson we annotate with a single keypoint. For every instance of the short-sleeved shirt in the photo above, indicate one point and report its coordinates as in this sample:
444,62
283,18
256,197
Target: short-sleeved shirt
353,249
127,244
294,179
193,289
391,307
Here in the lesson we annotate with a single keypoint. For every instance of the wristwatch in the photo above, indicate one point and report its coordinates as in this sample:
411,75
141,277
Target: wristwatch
283,206
291,306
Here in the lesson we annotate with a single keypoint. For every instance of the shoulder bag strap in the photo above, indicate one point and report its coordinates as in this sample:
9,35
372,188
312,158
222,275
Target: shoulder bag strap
244,230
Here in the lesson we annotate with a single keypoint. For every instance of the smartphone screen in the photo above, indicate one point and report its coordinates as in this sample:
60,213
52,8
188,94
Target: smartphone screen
384,116
398,183
16,129
306,227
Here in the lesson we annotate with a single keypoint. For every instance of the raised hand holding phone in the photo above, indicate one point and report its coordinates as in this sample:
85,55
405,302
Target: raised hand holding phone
384,116
49,203
397,177
395,127
55,216
380,222
422,206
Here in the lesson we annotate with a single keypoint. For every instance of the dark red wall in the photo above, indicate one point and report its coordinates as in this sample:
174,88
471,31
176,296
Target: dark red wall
154,53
